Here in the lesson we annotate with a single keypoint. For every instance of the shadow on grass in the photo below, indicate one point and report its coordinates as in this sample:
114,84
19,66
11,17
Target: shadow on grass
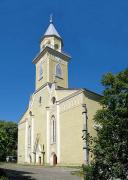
16,175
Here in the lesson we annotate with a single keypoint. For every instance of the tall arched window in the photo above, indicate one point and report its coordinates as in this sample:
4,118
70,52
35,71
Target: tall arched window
58,70
53,129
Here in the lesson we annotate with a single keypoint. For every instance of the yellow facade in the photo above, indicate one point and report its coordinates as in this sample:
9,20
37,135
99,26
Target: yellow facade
51,130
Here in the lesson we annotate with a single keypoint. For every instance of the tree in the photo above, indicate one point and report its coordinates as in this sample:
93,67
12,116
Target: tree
8,139
111,144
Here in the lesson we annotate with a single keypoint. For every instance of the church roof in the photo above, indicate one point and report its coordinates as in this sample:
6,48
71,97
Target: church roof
51,31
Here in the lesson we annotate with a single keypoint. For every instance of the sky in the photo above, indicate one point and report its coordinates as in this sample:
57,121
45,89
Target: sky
95,34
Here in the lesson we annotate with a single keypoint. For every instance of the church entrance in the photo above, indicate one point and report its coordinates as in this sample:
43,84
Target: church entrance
54,159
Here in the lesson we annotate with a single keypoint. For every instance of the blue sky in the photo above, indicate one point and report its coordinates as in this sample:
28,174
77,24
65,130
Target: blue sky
95,34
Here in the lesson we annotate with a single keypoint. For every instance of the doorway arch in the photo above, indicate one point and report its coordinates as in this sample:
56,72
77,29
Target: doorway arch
53,159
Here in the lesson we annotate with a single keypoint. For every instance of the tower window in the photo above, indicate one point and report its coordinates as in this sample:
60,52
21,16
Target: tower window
40,70
58,71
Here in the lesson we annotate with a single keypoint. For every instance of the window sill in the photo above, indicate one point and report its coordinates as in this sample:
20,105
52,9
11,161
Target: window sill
40,78
53,143
59,77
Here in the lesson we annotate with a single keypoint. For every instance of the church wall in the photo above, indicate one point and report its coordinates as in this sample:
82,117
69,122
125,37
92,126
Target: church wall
21,138
71,123
40,119
22,146
92,106
21,143
64,93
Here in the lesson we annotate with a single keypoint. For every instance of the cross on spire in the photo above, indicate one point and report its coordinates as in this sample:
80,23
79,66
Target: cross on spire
51,18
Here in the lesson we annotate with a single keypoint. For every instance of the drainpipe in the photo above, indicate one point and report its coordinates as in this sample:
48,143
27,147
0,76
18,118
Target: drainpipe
84,136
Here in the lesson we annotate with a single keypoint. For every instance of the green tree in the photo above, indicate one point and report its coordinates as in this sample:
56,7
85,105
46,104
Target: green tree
8,139
111,144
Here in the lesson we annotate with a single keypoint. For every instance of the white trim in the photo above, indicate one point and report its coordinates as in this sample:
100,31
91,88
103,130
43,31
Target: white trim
48,137
32,135
58,134
26,141
48,74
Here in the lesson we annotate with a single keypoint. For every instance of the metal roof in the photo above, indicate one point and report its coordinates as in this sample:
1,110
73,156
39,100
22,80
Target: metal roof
51,31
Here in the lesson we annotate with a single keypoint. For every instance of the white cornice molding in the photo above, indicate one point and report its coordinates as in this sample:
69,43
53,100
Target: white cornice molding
43,86
70,96
62,55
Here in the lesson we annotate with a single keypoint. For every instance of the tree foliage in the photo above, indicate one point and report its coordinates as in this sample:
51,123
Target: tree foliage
8,139
111,144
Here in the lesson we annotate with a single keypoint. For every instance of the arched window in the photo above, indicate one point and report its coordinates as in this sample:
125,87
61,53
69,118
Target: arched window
29,136
53,130
53,100
58,71
40,70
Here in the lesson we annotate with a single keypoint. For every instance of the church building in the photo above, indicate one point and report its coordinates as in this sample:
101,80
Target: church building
54,128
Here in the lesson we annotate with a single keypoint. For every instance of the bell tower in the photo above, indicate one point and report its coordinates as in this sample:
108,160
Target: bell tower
51,38
51,62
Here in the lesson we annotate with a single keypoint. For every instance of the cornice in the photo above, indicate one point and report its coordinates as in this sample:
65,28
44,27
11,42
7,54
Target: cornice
70,96
88,93
92,95
62,55
44,85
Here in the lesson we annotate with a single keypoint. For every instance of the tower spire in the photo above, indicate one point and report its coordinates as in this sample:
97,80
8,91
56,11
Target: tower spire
51,30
